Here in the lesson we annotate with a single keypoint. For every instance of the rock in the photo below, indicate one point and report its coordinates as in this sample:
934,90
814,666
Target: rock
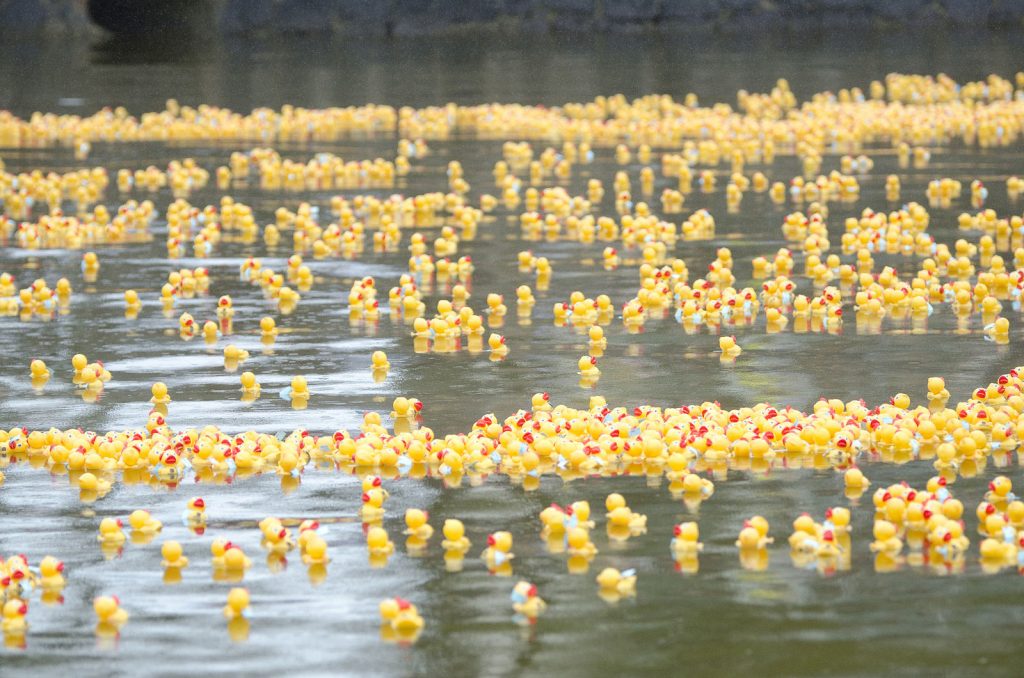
417,17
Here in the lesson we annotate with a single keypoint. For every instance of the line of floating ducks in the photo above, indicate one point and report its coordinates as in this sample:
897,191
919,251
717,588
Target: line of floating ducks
919,108
750,136
676,442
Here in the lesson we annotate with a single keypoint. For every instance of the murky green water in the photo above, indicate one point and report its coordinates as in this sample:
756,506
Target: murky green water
722,620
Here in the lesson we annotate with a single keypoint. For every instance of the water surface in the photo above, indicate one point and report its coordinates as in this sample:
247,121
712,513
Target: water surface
723,619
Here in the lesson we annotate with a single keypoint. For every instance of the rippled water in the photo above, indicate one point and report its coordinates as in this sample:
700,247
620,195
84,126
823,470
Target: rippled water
723,619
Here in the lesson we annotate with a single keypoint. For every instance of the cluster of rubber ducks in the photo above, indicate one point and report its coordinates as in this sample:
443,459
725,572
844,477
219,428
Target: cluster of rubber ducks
182,176
18,581
690,447
20,193
687,445
203,123
324,171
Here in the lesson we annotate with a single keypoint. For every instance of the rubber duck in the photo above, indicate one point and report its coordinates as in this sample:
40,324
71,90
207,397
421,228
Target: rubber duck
854,479
186,325
173,555
614,584
90,483
526,602
268,328
1000,491
540,402
996,554
620,515
141,521
401,619
314,551
454,536
588,367
496,305
90,264
237,604
109,612
999,330
299,389
729,348
416,524
276,537
378,542
250,387
225,309
39,371
937,393
15,576
525,300
754,535
372,508
79,362
697,488
499,549
578,542
496,342
372,482
51,573
403,407
14,623
379,361
837,519
234,355
686,538
229,557
160,396
111,533
195,511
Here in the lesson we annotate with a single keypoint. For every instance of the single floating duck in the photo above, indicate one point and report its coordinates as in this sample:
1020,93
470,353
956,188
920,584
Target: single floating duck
172,555
13,622
499,549
141,521
51,574
526,603
400,620
378,542
454,536
613,584
237,604
416,524
111,533
109,613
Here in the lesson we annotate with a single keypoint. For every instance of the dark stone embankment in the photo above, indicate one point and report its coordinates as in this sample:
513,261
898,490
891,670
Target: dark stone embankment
424,17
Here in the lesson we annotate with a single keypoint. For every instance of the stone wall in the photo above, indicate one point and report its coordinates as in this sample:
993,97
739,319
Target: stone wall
415,17
409,17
